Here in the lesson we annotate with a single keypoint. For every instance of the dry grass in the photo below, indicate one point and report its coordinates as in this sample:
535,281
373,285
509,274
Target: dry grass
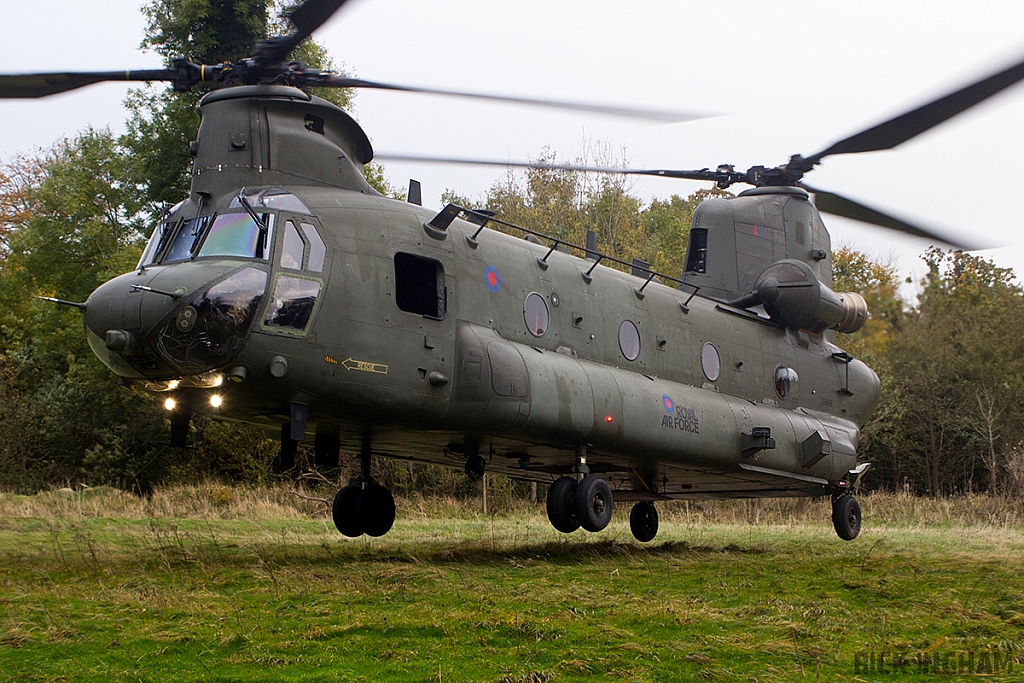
218,501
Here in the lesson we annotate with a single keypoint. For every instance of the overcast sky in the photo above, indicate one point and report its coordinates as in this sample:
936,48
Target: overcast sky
789,77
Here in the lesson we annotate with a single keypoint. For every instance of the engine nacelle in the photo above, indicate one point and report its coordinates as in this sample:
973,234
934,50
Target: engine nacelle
791,292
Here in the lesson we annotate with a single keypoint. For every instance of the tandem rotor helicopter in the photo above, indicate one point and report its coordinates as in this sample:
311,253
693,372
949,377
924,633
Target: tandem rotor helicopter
286,293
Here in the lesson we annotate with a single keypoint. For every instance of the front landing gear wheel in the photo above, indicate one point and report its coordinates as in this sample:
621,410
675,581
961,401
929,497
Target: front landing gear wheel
593,503
846,517
375,510
561,505
643,521
344,511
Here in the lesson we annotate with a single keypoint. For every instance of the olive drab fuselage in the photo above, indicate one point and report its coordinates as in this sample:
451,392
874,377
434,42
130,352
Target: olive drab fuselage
295,292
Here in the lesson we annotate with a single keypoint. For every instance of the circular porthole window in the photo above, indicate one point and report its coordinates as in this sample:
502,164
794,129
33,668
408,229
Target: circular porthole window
710,362
785,381
535,311
629,340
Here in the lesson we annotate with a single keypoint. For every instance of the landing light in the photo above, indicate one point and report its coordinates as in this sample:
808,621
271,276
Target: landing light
215,400
170,403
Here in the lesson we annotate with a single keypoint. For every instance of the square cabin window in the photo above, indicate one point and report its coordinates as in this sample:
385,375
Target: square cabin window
419,285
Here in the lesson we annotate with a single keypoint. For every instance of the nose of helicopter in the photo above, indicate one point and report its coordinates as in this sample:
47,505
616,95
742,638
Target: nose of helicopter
170,321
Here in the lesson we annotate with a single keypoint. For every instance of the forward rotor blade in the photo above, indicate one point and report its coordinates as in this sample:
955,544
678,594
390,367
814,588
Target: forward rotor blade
703,174
41,85
837,205
311,15
662,116
900,129
307,17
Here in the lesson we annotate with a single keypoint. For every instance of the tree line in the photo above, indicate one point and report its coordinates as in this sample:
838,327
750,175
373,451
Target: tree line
951,361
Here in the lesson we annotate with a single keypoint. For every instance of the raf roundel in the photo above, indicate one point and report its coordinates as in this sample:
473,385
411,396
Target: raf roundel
666,401
492,279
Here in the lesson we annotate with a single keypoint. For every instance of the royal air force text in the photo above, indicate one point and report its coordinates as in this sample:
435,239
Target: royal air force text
684,419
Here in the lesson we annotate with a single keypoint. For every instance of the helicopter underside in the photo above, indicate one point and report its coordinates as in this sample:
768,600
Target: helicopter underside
631,479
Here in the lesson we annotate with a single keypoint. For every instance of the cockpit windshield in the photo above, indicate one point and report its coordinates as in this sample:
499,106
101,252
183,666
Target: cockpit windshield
186,239
238,234
245,230
229,234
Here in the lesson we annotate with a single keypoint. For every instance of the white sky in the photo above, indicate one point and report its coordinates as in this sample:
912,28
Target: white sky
792,76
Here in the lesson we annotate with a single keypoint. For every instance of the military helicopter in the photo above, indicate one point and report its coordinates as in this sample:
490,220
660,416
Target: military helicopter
286,293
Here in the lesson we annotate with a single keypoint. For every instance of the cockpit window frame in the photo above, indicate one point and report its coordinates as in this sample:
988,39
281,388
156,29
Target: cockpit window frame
167,225
160,257
204,222
269,301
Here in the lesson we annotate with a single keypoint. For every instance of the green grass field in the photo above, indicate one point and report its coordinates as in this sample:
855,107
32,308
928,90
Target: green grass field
219,585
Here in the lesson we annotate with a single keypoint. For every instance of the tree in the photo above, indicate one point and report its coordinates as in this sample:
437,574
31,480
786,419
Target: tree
566,204
957,361
70,223
878,282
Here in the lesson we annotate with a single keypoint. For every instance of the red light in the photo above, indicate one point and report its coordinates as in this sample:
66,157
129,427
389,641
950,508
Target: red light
609,419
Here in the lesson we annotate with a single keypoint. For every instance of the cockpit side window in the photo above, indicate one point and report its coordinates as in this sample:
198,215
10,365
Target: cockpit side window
317,248
292,247
161,233
238,234
292,305
305,248
149,254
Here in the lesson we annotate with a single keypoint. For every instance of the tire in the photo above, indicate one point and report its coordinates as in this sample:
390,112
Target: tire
846,517
561,505
344,511
643,521
375,510
594,503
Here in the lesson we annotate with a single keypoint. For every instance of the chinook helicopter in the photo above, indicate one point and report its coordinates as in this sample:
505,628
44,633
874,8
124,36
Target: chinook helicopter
286,293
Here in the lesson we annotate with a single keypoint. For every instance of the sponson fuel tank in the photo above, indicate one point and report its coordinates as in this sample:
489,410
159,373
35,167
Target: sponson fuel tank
555,396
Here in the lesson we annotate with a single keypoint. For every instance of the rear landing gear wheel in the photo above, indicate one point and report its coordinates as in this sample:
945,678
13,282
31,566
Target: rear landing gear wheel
846,517
375,510
594,504
561,505
643,521
344,511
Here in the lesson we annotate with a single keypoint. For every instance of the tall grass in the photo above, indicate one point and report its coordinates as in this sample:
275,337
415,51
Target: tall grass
282,502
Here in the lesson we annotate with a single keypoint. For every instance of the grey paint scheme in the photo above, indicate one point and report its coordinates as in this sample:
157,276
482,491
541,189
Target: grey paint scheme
477,377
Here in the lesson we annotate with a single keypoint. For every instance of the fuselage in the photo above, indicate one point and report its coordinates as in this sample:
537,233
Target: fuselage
324,302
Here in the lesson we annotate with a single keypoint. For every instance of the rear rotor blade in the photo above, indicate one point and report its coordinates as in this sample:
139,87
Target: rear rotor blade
702,174
41,85
837,205
900,129
663,116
